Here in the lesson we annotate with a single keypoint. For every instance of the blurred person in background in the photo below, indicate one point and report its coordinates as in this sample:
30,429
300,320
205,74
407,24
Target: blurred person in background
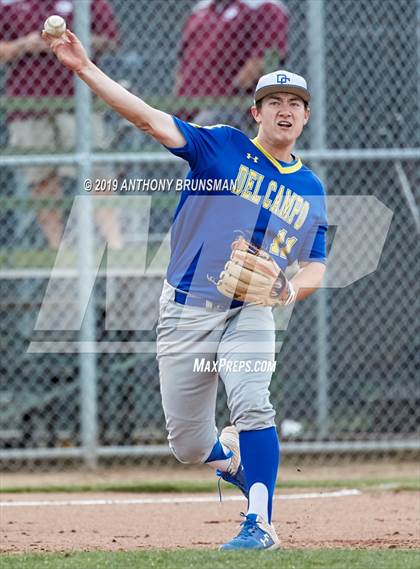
32,71
226,46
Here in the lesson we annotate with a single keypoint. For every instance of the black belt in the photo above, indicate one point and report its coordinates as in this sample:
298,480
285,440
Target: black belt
182,297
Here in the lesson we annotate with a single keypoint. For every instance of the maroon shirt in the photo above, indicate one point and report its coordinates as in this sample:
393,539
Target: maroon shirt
218,40
42,75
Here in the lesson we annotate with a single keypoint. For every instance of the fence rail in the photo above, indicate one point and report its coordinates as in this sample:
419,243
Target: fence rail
299,448
326,155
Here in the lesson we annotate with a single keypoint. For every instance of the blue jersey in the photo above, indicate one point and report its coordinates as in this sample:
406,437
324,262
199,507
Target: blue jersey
235,187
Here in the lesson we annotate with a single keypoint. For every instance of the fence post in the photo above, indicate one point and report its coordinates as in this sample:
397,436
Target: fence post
317,124
86,246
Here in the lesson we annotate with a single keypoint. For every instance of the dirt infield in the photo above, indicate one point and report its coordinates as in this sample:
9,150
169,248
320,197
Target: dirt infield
66,522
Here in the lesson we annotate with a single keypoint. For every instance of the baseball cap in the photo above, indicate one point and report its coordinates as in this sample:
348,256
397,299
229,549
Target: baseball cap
284,81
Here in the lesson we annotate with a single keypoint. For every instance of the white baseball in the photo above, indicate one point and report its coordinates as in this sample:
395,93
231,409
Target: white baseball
55,26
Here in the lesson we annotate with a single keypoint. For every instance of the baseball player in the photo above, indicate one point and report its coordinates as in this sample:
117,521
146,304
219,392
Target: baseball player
249,209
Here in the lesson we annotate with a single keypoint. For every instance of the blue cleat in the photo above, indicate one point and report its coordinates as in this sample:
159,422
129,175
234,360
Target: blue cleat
235,474
237,479
255,534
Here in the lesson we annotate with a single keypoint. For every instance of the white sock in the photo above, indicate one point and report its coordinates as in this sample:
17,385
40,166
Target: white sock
222,464
258,500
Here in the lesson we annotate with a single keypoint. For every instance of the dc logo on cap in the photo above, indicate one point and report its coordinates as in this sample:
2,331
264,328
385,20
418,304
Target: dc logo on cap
282,78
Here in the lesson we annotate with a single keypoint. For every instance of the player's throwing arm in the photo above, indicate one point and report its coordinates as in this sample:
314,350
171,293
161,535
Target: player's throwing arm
71,53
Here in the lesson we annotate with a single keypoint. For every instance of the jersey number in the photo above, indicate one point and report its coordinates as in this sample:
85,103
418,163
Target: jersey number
282,245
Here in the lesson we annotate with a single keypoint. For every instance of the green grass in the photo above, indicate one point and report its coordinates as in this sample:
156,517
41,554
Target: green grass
316,559
180,486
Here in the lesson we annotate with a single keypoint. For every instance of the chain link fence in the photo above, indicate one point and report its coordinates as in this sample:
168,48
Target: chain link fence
85,389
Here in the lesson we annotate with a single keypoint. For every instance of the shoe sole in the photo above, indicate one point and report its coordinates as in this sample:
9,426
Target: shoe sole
230,438
274,546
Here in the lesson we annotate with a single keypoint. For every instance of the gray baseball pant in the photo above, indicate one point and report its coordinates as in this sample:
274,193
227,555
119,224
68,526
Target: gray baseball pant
185,333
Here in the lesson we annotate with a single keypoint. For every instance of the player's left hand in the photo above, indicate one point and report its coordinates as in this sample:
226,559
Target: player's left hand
251,275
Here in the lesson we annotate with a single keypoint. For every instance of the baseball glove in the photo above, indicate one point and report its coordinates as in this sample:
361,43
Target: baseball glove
251,275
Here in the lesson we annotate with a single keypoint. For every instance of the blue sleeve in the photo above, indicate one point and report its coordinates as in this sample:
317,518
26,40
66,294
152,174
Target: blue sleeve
314,247
203,143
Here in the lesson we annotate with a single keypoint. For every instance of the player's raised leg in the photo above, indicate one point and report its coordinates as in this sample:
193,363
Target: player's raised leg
187,344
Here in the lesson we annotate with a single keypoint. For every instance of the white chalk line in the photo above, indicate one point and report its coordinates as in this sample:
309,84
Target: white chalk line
172,500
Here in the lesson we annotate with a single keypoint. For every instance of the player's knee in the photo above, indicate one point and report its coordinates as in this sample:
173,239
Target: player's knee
191,441
188,453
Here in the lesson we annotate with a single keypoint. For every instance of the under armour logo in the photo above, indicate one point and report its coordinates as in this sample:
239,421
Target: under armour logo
265,540
282,78
250,157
